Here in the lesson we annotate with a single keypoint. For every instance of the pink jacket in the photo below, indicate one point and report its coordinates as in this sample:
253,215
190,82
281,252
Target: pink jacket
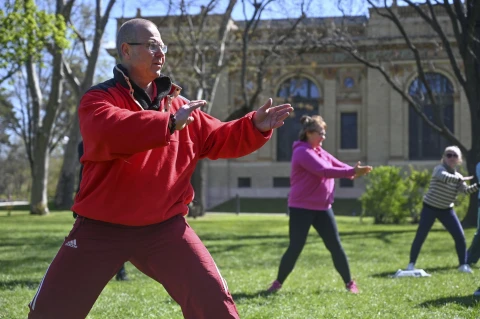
311,178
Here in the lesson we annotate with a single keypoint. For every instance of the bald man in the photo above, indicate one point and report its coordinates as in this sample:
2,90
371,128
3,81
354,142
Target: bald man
142,142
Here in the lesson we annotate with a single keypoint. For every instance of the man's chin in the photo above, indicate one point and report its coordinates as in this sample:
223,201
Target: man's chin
156,67
156,73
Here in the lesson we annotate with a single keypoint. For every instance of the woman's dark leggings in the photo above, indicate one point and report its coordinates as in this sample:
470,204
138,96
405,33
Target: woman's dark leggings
325,225
474,250
450,220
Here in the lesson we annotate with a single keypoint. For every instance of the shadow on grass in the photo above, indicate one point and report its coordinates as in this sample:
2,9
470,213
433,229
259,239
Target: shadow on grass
28,264
428,270
13,284
440,269
223,237
40,245
258,294
465,301
283,241
383,234
380,234
243,295
213,248
265,294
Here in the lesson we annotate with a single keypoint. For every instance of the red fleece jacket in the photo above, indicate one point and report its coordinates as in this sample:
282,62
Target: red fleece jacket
135,173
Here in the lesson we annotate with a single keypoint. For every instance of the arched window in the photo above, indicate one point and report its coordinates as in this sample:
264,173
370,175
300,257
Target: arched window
304,96
424,142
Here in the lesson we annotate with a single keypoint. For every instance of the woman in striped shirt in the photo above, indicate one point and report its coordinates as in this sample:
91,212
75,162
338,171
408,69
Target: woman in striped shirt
438,202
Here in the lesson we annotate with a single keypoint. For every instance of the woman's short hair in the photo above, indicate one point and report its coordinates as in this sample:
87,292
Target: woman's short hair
453,149
310,124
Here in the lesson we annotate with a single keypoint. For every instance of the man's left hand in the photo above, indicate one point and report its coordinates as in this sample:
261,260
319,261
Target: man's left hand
269,117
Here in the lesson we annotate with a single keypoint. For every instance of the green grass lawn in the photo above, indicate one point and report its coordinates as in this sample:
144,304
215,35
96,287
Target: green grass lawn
247,249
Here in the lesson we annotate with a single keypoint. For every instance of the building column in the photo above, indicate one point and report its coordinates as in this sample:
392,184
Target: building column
329,112
396,125
377,113
462,127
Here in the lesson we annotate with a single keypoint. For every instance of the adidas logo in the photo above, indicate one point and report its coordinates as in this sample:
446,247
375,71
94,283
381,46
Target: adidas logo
72,243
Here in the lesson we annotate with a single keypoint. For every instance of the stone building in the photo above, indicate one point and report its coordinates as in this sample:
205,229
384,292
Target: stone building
367,119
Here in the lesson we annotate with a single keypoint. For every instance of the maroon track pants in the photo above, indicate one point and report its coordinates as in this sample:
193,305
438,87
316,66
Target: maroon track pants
169,252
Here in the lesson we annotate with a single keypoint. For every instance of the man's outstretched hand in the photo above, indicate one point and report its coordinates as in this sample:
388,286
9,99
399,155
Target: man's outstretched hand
269,117
183,117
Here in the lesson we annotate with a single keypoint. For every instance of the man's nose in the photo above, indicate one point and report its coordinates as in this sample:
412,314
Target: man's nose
159,53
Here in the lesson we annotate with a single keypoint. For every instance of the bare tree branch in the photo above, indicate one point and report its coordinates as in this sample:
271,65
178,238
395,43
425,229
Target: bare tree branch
58,136
34,92
10,73
200,39
106,15
263,63
11,120
82,39
100,23
71,78
24,130
245,41
416,107
223,31
67,8
433,22
222,37
460,13
421,73
53,104
28,123
262,6
455,20
194,37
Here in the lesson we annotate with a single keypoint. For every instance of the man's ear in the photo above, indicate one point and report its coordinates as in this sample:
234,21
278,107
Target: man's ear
126,51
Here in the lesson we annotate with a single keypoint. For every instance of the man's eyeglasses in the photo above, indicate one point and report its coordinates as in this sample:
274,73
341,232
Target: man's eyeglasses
450,155
152,46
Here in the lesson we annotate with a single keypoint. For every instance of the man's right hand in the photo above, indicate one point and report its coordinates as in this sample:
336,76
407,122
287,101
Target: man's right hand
182,117
361,170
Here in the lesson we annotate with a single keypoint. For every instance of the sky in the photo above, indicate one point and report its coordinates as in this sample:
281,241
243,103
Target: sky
126,8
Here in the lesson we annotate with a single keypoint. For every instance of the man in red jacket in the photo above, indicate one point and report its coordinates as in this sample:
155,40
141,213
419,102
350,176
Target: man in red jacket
141,144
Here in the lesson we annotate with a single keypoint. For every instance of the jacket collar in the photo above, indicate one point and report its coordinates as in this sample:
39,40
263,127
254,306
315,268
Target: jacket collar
163,84
448,168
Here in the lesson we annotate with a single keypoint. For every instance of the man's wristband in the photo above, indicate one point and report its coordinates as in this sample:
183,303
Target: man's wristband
173,123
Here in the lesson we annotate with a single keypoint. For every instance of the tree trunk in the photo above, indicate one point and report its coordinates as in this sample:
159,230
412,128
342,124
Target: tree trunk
470,219
473,156
38,196
199,180
67,181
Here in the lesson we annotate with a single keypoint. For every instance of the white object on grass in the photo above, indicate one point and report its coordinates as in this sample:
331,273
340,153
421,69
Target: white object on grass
411,273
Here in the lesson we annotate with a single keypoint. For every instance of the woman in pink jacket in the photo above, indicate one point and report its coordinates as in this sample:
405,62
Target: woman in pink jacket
311,197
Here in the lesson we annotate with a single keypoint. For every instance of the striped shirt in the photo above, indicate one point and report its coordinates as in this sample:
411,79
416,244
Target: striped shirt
445,186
